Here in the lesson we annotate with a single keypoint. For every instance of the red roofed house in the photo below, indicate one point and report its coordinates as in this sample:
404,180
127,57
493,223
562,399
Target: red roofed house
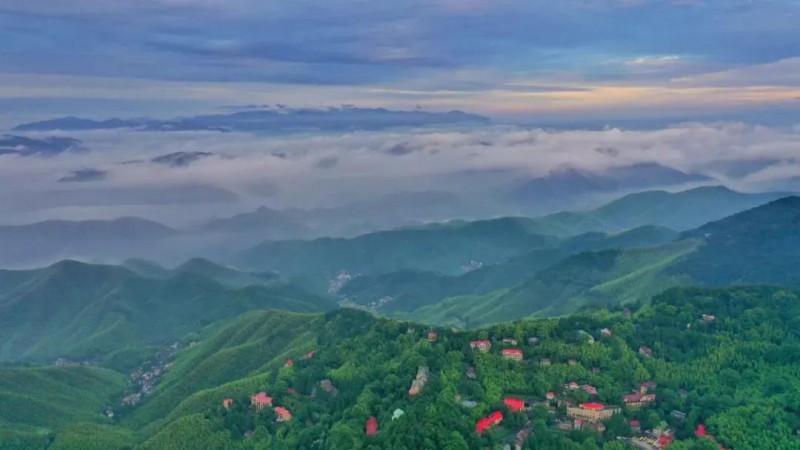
635,425
550,395
311,354
590,389
372,426
665,440
514,404
482,346
700,431
512,353
283,414
488,422
432,335
227,403
261,400
288,363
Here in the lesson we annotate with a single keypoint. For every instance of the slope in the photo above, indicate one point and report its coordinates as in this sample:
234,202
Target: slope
88,310
407,290
445,248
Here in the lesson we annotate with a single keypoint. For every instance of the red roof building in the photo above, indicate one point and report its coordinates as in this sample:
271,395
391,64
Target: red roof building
700,431
261,400
550,395
482,346
514,404
372,426
311,354
283,414
488,422
512,353
288,363
590,389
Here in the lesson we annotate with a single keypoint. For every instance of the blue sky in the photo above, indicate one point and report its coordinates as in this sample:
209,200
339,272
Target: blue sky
517,60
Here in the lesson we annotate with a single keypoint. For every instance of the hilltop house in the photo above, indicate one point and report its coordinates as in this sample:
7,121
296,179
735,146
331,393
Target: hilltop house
550,395
283,414
592,412
432,335
514,404
488,422
482,346
512,353
419,382
260,401
637,399
371,428
646,351
227,403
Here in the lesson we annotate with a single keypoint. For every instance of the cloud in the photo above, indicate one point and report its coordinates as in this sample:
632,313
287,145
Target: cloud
243,171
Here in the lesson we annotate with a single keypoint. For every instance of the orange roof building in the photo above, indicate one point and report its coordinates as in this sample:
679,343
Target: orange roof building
283,414
261,400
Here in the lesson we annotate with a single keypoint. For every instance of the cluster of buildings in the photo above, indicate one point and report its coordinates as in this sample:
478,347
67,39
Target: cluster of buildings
145,378
338,282
419,381
640,397
261,401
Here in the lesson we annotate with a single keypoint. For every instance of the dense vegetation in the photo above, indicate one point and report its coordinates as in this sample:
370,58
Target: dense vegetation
78,310
736,374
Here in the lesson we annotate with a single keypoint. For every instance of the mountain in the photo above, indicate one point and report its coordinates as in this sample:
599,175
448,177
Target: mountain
36,401
690,348
25,245
760,245
575,187
408,290
180,159
446,248
681,210
263,222
271,119
757,246
88,310
26,146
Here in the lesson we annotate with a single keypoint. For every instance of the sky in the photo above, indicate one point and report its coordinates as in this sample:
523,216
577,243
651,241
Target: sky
517,61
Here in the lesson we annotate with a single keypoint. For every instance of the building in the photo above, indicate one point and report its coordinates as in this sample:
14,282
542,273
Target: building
398,413
533,341
509,341
419,381
482,346
512,353
572,386
311,354
471,374
592,412
605,332
572,362
514,404
432,335
635,425
550,395
646,351
680,415
590,389
327,386
521,437
288,363
545,362
282,414
637,399
709,317
488,422
227,403
371,428
261,400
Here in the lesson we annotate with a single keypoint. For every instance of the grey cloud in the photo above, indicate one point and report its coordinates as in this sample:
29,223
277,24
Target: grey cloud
84,175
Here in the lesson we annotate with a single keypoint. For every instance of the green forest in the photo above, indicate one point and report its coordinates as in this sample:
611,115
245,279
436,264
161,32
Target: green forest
735,374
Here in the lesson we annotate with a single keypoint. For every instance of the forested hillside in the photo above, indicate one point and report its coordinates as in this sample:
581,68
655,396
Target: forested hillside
724,360
78,310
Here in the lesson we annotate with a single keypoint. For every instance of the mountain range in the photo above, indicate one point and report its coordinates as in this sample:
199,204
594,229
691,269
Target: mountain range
270,119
